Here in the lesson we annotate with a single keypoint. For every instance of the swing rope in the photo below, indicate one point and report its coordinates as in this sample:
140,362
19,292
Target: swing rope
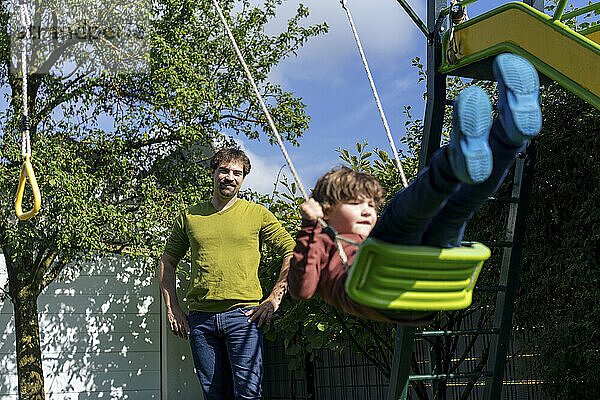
27,169
260,99
326,228
379,106
25,23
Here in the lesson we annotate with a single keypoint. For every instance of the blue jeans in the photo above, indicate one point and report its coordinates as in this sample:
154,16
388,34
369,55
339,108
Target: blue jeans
434,209
228,354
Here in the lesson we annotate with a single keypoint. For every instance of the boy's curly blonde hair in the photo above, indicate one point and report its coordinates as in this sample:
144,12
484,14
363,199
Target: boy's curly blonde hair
344,184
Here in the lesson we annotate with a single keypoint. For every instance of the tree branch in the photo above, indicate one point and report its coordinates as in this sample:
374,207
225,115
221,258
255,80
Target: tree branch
131,144
53,273
377,335
54,56
39,257
385,370
67,96
41,268
418,386
484,357
237,118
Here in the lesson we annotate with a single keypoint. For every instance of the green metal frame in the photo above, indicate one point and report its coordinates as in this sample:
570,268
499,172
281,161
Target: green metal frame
436,101
436,84
403,349
560,8
579,11
589,30
555,24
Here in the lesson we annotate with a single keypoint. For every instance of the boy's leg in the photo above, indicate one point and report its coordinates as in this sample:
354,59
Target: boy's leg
466,159
406,217
519,120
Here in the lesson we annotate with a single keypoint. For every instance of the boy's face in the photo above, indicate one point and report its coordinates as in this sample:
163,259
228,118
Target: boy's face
354,216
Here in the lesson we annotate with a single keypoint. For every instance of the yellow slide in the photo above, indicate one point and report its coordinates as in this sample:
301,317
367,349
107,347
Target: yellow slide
572,59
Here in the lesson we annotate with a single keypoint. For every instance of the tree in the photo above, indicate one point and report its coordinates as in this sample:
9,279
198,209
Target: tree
559,284
118,154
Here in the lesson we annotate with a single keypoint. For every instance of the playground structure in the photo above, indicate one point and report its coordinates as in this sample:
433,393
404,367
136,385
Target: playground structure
467,49
568,57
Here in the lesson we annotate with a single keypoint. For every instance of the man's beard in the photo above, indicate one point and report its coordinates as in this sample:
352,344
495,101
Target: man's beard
227,190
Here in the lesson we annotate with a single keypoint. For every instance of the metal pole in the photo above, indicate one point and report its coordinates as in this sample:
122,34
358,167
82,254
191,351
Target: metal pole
560,8
436,84
510,276
434,118
405,338
413,15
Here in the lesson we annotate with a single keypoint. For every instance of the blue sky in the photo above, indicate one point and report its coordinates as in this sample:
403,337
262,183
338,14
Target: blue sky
329,76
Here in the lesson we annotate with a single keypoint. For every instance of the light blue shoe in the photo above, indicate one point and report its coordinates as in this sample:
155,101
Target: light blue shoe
518,98
469,150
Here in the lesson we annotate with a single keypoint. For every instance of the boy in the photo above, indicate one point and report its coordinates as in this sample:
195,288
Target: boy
434,209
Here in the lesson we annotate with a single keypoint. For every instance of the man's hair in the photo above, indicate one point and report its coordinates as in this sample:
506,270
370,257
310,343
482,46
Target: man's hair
232,154
344,184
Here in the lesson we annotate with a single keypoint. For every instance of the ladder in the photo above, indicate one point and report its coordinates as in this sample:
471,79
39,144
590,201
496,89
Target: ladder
506,289
500,333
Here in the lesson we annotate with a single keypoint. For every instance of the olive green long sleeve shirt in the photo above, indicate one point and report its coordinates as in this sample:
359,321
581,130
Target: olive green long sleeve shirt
225,252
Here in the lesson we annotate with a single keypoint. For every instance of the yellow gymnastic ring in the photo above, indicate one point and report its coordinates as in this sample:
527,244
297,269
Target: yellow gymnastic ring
27,173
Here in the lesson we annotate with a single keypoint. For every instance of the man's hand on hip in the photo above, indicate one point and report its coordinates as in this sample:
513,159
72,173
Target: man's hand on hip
264,311
178,322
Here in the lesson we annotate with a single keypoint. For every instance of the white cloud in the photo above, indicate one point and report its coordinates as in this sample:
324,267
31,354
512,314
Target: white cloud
270,164
383,26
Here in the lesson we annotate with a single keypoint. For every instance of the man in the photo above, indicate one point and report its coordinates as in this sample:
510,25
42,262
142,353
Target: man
224,323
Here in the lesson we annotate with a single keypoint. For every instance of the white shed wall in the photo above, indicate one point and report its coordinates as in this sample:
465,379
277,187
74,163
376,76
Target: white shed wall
101,338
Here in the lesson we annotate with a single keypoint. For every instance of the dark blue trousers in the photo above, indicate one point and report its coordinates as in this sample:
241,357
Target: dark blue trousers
228,354
434,209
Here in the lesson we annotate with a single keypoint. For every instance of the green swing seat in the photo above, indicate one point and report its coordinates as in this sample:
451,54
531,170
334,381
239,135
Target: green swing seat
397,277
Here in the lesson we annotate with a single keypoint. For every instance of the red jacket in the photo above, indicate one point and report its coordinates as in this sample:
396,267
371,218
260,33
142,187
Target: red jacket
316,266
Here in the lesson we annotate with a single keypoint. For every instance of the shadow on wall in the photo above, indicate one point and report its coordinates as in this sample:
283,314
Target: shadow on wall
7,342
100,334
179,381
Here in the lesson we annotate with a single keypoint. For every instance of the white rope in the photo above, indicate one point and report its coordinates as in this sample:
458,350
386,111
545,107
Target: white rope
25,23
379,106
260,99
